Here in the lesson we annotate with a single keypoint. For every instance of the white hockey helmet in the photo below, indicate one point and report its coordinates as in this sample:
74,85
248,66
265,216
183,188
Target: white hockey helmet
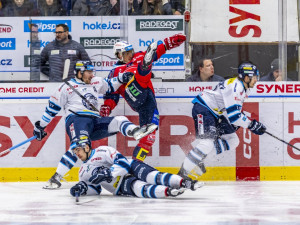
120,47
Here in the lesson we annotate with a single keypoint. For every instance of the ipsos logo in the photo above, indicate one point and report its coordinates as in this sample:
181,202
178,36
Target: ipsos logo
7,44
170,60
45,25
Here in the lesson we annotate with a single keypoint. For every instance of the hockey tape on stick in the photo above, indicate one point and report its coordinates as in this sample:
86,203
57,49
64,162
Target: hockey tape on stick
66,69
18,145
282,141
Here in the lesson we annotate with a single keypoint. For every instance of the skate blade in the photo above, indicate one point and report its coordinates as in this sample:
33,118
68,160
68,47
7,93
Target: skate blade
150,129
176,192
51,186
198,185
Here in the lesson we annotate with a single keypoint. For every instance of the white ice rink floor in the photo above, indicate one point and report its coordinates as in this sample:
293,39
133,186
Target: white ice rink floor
217,203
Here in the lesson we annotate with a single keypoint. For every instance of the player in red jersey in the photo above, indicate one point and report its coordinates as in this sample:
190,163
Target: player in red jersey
138,91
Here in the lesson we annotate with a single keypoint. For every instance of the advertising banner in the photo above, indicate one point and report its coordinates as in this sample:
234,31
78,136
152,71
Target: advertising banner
241,21
97,35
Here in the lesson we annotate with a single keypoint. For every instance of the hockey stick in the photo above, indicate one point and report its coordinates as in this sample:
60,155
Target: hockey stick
66,71
81,96
272,135
76,196
18,145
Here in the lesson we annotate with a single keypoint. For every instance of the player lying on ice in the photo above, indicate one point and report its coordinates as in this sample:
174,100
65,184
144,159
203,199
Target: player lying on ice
139,92
82,114
105,167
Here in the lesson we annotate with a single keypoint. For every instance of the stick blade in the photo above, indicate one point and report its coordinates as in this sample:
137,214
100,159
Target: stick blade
4,152
66,69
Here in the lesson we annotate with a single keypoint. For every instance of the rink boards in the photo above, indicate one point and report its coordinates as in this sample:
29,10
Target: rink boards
257,157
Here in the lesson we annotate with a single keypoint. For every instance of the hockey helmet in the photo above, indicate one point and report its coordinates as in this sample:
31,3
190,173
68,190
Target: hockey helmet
247,69
120,47
80,143
83,66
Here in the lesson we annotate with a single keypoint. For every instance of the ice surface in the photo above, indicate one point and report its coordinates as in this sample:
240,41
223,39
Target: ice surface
217,203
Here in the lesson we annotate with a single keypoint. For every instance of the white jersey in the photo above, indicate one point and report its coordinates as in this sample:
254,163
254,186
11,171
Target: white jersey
65,98
227,99
108,157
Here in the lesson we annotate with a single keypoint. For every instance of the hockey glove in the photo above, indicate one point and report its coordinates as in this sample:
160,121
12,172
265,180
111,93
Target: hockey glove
125,77
174,41
39,131
257,127
80,187
101,174
105,110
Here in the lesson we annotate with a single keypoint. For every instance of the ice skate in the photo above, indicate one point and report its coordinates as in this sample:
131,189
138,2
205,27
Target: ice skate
54,182
183,173
140,132
175,192
191,184
149,56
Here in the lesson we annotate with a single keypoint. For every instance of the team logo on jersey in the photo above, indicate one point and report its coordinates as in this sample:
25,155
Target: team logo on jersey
92,99
96,159
200,124
142,154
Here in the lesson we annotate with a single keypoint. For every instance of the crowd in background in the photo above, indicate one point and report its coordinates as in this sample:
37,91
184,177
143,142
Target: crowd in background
12,8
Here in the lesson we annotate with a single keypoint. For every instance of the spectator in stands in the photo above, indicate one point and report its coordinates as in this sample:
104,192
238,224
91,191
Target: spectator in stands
67,6
177,6
1,8
275,74
92,8
135,7
57,51
206,72
115,7
51,8
156,7
20,8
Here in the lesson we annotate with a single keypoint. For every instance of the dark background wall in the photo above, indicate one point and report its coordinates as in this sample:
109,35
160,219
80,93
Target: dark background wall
227,57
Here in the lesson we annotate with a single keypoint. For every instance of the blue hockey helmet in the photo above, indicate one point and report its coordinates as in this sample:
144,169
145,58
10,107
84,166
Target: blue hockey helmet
247,69
83,66
81,142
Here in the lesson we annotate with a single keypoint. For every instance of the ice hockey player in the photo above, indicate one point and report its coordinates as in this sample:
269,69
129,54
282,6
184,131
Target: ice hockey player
217,115
139,92
81,117
105,167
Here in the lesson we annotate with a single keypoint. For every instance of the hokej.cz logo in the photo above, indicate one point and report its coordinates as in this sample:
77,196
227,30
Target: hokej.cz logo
98,42
7,44
5,28
101,26
5,62
40,43
146,43
46,25
159,25
170,60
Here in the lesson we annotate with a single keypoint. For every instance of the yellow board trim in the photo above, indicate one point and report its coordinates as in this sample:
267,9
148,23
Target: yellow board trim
270,173
288,173
43,174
